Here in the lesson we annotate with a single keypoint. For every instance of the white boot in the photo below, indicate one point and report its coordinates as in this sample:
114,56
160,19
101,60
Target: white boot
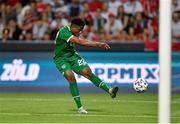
81,110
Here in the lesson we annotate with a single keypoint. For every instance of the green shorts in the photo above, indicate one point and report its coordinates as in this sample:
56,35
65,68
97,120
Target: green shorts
75,63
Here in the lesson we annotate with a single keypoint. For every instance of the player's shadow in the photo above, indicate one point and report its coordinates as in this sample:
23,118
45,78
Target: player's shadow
70,111
90,110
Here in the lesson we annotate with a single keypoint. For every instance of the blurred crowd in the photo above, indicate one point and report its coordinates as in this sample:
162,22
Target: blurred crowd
107,20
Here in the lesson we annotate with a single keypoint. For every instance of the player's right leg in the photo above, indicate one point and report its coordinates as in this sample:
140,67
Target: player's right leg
87,73
81,67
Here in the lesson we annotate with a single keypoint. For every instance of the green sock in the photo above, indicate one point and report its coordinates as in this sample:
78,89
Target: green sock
99,83
75,93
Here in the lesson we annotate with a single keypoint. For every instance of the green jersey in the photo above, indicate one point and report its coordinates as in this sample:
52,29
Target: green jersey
66,58
63,47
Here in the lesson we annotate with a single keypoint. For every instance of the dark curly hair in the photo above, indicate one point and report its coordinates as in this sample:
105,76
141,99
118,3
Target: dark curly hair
78,21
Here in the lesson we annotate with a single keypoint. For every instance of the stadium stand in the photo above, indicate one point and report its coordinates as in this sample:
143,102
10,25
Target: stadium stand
116,21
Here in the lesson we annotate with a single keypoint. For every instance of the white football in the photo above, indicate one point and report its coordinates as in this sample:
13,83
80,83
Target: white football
140,85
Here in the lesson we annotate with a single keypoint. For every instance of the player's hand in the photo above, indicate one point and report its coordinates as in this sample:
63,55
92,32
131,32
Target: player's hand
104,45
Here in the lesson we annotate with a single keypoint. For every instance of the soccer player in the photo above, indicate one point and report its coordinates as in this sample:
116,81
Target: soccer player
67,60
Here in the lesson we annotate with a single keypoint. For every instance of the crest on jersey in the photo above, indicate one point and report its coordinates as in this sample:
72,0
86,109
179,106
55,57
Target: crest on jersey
63,66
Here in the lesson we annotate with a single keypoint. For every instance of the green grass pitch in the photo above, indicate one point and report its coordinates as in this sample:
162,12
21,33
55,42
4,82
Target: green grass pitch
60,108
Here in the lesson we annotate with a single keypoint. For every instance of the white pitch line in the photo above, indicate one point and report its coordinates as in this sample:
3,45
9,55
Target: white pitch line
85,115
68,100
80,115
177,101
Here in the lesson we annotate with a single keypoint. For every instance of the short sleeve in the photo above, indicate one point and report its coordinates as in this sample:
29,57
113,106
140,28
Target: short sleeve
65,34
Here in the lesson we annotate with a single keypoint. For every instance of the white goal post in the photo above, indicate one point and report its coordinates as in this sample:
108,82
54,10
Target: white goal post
164,103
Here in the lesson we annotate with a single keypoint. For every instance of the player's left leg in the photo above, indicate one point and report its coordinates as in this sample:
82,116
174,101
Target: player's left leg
87,73
65,69
69,75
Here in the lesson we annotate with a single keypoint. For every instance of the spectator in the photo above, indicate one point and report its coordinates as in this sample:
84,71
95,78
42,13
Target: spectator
121,15
151,8
6,35
49,12
86,7
175,6
138,31
99,15
57,23
14,30
74,8
87,15
46,19
98,21
2,12
28,37
2,25
35,11
12,3
46,36
40,6
113,6
94,35
87,34
18,9
94,5
151,11
27,19
154,28
58,5
10,13
113,27
104,11
132,6
176,27
39,29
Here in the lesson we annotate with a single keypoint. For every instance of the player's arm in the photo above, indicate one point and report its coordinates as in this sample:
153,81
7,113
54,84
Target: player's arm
89,43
